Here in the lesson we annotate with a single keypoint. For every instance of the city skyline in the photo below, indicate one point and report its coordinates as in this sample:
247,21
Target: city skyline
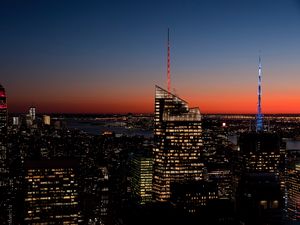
106,57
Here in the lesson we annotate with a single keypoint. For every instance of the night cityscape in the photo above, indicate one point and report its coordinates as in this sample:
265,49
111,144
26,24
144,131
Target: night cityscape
150,112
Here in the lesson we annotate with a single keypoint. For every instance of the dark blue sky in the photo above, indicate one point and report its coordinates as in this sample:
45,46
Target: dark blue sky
106,56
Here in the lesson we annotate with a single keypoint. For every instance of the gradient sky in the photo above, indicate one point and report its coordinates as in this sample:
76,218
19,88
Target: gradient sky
106,56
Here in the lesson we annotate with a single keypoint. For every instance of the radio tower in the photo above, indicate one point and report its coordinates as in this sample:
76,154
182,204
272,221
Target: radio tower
168,68
259,116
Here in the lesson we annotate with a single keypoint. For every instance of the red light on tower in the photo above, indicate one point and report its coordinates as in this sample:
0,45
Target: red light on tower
169,66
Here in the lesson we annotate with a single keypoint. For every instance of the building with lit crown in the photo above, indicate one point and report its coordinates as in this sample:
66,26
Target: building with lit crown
177,143
3,107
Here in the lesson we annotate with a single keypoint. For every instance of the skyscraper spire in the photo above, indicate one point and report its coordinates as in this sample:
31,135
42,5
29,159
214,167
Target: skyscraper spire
168,67
259,116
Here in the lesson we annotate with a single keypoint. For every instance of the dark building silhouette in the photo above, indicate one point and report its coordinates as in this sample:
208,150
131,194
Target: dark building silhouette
193,197
259,197
142,176
259,153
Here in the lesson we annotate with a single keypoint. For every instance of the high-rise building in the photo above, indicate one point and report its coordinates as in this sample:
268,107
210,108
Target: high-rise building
16,121
141,180
51,192
293,193
259,153
5,187
3,107
46,120
177,143
32,112
259,197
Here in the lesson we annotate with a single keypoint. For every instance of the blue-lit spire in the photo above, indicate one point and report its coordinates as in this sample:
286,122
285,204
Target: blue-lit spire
259,116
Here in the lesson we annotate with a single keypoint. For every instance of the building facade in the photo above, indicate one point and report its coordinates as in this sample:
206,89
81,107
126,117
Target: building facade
177,143
51,192
141,180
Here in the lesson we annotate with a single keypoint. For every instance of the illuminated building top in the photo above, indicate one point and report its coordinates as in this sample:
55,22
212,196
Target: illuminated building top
178,143
3,107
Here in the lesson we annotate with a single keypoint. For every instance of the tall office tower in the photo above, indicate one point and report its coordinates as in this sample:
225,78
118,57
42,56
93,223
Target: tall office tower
95,200
259,116
293,193
32,112
177,143
51,192
259,197
141,177
3,107
16,121
5,188
259,153
292,181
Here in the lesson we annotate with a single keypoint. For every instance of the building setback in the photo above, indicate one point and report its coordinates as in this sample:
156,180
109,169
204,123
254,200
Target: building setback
177,143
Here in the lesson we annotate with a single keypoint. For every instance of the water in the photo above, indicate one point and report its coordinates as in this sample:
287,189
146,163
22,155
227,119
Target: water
97,128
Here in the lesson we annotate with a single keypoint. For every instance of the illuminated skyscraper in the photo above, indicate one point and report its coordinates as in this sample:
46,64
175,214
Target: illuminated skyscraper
259,153
32,112
293,193
51,192
3,107
177,143
46,120
142,171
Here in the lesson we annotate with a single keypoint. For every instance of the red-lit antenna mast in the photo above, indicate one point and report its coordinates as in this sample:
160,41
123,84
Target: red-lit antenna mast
168,69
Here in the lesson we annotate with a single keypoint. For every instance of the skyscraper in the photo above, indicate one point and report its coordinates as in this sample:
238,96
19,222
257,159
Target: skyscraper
141,181
293,193
51,192
177,143
3,107
32,112
259,153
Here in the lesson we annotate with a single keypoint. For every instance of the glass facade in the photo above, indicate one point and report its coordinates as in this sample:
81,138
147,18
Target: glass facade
178,143
142,170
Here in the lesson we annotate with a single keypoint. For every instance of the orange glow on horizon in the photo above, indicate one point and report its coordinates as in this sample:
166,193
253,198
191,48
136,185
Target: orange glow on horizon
207,105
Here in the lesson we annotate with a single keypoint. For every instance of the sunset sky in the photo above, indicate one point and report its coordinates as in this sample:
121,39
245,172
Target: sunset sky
107,56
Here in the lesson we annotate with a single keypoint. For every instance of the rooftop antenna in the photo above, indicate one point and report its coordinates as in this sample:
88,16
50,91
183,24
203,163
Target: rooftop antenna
259,116
168,67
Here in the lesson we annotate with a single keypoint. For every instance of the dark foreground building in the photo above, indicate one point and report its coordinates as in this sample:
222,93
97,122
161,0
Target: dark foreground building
259,196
